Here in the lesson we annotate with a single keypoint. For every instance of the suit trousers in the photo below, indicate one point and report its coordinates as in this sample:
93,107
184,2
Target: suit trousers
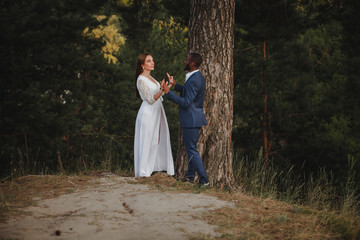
191,136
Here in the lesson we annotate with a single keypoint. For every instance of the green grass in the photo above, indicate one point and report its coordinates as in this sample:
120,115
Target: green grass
338,209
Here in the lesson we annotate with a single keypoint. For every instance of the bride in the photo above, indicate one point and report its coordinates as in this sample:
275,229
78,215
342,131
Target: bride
152,149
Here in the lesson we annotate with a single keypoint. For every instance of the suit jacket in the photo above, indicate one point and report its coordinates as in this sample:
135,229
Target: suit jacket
190,101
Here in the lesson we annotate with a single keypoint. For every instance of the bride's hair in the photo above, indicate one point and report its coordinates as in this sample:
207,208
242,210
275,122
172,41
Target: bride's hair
139,69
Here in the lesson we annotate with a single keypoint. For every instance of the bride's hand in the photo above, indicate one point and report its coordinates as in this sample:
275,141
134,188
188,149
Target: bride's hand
165,87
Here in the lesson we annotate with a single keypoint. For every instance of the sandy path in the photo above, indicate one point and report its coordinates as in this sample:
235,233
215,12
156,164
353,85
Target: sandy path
98,212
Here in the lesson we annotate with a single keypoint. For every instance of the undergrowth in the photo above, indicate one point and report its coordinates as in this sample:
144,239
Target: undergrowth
336,204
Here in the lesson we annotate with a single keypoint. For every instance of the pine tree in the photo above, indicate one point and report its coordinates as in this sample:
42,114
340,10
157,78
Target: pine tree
211,34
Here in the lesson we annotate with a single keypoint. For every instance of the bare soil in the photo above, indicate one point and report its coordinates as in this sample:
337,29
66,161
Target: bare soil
106,206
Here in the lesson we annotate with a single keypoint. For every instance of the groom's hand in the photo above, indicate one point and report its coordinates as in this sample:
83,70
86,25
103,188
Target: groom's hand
171,80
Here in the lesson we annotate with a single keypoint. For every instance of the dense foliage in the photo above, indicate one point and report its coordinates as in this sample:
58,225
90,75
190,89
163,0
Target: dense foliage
309,76
67,81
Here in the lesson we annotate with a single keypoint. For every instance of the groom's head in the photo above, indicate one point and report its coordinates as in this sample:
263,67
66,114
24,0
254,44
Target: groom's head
193,61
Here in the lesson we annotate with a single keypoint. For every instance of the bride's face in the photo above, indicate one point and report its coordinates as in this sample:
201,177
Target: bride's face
149,63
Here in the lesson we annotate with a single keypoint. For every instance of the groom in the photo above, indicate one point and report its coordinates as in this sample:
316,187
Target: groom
192,117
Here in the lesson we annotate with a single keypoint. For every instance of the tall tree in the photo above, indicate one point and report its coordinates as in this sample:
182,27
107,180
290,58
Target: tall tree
211,34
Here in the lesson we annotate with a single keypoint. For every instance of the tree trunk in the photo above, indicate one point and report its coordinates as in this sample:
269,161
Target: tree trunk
266,123
59,161
211,33
181,157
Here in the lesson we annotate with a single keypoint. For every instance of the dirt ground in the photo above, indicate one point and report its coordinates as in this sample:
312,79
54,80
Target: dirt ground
101,205
110,207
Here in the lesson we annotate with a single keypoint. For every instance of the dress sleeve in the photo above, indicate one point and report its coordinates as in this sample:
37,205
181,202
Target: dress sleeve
145,91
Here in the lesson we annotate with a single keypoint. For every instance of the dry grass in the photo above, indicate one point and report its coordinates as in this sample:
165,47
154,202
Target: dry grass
27,190
257,218
158,180
252,218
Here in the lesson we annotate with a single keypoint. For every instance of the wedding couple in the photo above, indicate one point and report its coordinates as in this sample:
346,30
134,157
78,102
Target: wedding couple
152,149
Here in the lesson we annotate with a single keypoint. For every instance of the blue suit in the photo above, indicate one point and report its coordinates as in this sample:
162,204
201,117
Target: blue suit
192,117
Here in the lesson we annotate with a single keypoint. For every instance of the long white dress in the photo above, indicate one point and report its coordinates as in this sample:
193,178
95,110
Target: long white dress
152,149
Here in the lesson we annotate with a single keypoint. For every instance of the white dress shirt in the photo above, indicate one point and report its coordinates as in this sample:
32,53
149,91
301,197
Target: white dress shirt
189,74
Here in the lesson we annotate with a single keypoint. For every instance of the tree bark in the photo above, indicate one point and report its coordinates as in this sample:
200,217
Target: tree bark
211,33
59,161
266,121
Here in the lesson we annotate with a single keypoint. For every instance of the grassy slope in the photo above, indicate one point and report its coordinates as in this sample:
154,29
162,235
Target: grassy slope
253,218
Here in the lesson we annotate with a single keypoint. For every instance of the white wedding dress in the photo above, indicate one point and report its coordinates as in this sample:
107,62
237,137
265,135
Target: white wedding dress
152,149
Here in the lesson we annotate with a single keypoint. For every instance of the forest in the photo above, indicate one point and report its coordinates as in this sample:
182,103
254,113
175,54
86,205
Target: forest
68,104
